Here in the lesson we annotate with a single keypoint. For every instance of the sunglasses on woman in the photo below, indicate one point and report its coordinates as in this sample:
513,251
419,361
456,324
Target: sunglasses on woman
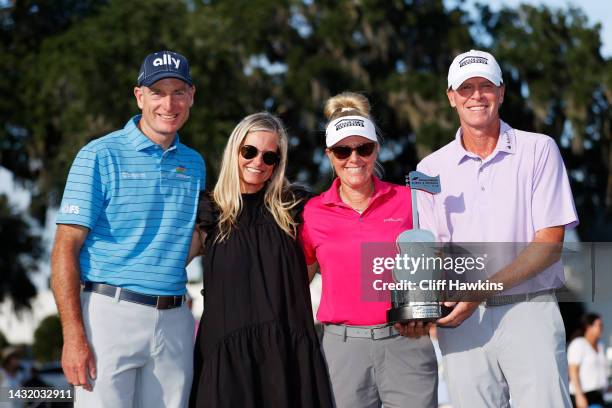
344,152
249,152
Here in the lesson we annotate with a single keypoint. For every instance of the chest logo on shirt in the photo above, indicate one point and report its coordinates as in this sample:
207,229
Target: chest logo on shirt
133,175
393,220
179,172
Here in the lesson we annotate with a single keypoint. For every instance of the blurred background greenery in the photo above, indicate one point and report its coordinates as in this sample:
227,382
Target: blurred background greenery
69,66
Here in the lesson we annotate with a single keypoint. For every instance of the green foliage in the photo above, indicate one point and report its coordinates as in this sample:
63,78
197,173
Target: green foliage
71,65
19,252
558,86
48,340
23,28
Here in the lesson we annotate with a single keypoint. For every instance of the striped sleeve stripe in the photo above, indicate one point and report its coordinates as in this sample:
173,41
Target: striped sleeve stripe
147,265
108,253
128,278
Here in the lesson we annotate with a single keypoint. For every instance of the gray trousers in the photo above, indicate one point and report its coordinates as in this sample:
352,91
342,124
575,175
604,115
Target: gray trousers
507,352
394,371
144,356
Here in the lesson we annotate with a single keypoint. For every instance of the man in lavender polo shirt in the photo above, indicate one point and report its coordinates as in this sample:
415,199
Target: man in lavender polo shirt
501,184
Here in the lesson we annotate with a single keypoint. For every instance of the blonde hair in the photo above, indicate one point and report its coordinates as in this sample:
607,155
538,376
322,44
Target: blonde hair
347,104
352,104
227,195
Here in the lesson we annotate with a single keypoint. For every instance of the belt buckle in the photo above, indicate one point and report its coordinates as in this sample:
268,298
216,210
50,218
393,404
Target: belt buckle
533,295
164,302
498,300
378,333
505,300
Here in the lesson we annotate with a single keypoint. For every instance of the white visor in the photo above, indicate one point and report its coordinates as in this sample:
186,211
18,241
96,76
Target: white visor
347,126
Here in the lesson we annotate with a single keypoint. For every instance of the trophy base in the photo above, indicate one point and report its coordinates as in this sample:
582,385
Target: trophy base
427,312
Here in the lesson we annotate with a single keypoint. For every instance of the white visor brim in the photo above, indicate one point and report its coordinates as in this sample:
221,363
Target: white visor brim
346,126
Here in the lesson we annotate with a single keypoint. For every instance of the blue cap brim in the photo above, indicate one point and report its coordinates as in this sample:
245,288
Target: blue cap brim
150,80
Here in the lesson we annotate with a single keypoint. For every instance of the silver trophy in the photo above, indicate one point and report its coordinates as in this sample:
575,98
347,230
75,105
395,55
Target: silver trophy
421,280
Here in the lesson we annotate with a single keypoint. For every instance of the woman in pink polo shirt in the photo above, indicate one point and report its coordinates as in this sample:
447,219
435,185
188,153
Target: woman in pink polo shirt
369,363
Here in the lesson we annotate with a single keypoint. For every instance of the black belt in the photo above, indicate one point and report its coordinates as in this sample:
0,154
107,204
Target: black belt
502,300
158,302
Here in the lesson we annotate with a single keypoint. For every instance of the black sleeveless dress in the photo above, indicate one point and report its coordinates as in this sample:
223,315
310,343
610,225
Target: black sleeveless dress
256,344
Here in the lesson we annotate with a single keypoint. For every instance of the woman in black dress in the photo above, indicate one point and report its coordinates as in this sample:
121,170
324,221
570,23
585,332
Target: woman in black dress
256,345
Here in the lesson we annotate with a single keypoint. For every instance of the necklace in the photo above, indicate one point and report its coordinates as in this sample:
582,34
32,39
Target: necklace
357,205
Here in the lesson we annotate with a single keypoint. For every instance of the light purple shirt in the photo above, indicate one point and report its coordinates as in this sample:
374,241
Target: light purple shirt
520,188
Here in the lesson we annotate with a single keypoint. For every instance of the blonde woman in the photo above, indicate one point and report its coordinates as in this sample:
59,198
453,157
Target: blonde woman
256,346
369,362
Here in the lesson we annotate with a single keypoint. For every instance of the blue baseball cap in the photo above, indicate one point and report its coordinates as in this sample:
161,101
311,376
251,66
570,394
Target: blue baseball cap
163,64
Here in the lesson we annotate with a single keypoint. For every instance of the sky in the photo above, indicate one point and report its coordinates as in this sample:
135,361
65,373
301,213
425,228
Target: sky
597,11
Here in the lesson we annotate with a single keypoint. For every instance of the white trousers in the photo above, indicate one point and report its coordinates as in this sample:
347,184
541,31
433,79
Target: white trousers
144,356
507,352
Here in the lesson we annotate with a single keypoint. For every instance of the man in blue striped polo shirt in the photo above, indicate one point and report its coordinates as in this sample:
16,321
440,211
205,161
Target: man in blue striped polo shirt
125,234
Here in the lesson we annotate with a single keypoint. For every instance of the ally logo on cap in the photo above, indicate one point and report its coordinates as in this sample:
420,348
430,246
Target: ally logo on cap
167,59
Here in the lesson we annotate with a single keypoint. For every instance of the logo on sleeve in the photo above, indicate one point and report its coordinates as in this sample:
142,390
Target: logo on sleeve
71,209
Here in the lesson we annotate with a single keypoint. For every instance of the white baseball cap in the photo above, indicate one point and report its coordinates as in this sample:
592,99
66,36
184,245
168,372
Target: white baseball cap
346,126
472,64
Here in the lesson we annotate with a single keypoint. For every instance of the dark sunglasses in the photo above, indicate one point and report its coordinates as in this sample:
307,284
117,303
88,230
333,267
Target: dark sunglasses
344,152
250,152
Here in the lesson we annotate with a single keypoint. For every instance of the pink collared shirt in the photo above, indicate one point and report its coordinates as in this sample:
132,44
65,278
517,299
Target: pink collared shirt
520,188
332,234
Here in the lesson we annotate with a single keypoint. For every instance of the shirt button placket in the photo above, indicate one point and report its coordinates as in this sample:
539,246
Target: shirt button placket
160,165
483,183
480,175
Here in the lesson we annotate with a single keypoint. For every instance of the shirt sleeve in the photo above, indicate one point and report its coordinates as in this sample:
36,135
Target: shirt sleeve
207,217
306,242
575,352
85,191
203,175
552,203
